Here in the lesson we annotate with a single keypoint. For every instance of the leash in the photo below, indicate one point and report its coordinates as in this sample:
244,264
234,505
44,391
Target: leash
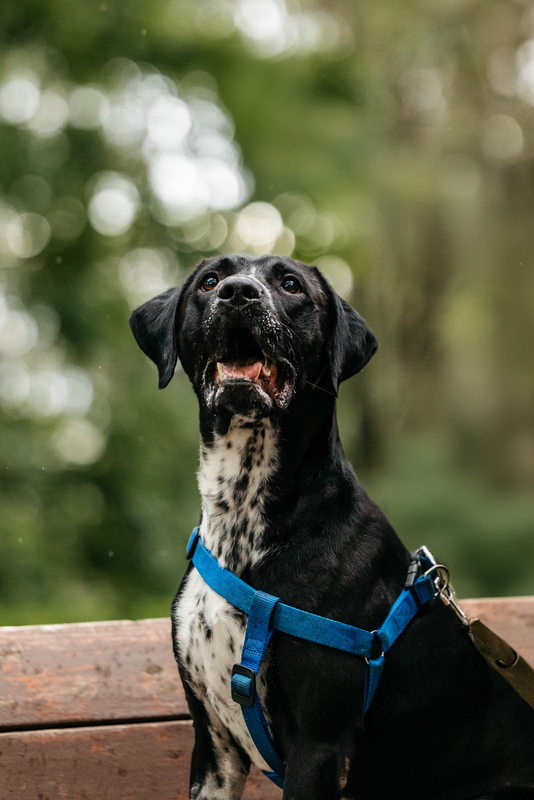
266,613
499,654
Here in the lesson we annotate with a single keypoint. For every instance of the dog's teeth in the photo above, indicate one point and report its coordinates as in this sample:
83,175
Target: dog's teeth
250,372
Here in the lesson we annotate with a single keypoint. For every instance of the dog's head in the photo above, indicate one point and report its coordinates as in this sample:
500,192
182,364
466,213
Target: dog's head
254,333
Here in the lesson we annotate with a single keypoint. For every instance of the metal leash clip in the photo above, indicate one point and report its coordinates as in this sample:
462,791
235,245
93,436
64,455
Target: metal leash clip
445,591
498,653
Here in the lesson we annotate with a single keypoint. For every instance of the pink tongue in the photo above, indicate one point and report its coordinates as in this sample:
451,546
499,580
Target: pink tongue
250,371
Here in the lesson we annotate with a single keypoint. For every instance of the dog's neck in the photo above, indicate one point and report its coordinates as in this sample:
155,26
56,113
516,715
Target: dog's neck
257,473
234,475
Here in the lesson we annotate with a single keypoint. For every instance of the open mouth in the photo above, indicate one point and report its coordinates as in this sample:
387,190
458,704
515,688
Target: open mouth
255,371
242,361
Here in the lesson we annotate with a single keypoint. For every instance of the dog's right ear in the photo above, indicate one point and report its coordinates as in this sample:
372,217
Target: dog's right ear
154,326
350,343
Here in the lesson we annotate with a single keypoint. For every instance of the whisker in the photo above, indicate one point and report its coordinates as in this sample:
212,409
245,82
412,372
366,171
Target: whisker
316,386
289,330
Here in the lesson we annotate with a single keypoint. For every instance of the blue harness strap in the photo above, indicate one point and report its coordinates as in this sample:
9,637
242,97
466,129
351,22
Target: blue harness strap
287,619
243,684
267,613
402,612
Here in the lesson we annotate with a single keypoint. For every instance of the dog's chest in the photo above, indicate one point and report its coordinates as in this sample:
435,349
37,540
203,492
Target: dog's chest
234,483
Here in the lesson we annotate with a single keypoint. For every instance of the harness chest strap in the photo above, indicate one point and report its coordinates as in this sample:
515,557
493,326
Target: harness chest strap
267,613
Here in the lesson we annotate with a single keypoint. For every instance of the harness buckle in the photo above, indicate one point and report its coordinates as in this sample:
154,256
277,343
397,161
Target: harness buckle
243,685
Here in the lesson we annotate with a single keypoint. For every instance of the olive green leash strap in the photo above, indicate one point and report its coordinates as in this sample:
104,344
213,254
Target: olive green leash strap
503,659
498,653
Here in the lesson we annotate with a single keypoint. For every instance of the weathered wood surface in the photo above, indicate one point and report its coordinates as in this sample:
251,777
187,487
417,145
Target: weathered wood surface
88,672
83,675
144,761
96,710
510,617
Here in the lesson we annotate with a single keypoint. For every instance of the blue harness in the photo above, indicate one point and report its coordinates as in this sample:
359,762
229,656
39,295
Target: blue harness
267,613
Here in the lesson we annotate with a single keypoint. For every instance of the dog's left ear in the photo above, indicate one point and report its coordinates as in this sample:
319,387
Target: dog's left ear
351,344
154,326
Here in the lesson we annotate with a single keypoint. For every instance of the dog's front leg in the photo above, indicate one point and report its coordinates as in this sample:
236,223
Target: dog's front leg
219,767
315,772
218,770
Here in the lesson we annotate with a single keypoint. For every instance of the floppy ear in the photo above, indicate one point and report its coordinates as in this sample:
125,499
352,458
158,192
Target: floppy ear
351,343
154,326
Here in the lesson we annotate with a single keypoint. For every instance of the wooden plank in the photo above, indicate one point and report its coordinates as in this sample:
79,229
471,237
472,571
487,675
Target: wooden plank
115,762
52,674
118,671
512,618
90,672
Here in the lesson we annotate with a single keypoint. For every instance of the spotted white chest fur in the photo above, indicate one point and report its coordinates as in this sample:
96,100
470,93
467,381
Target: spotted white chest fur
234,483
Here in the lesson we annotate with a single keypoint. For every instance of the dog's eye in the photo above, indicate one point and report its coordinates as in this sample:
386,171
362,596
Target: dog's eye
291,285
209,282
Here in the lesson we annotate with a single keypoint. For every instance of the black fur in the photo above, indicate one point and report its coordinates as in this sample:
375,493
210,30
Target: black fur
443,724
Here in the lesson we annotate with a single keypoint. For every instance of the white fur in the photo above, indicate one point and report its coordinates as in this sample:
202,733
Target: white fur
234,484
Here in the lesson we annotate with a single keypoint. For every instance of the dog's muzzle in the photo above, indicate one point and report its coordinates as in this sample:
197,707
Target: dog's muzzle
248,366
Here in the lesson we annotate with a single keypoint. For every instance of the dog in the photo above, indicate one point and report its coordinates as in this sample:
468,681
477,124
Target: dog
266,342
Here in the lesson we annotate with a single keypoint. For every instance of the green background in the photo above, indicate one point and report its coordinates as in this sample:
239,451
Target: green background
390,142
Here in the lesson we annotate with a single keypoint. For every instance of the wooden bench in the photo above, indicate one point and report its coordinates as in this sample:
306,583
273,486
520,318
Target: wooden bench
96,710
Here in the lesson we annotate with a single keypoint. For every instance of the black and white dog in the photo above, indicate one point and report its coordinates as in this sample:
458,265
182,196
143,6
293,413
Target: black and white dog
266,342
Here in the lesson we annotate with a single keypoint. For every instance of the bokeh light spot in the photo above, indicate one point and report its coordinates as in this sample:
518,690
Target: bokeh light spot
19,98
168,122
49,393
79,442
144,272
176,182
258,225
18,332
27,234
88,107
51,115
338,273
114,204
503,138
14,383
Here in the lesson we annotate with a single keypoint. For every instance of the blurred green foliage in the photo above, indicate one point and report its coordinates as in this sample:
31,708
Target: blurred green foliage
390,142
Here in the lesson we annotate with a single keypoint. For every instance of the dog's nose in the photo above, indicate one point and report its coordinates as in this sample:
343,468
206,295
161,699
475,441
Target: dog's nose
238,290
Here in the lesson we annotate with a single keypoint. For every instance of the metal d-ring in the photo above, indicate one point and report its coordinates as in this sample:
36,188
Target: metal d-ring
382,654
442,578
446,592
